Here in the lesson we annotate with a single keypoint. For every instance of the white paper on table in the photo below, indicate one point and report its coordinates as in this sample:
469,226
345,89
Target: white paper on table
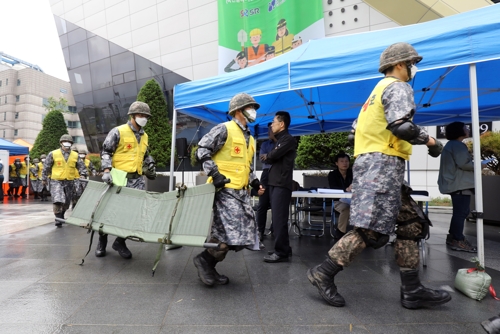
330,191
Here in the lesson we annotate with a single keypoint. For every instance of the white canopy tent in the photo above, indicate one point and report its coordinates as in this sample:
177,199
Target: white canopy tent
324,82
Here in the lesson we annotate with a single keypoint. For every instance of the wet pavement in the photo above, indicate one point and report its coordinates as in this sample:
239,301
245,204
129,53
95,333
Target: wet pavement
45,290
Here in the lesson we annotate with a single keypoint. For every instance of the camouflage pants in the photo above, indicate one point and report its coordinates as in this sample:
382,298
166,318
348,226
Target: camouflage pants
61,192
352,244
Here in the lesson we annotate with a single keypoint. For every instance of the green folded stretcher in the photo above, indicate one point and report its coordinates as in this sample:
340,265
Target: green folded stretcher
182,217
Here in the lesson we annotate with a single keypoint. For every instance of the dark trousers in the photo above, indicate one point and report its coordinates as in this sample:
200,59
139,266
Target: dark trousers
280,206
264,203
461,208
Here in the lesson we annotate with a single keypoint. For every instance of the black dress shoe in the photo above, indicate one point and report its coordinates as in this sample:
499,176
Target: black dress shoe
274,258
272,252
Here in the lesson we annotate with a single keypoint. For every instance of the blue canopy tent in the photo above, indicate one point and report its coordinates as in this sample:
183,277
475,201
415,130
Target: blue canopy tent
324,83
13,149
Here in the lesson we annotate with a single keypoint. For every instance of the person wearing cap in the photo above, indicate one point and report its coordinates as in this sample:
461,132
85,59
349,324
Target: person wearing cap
79,186
284,38
45,187
241,60
62,165
383,139
297,41
226,154
35,178
270,54
256,52
126,148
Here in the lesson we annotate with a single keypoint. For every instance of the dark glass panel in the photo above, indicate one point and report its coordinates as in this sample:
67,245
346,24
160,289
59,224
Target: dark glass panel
66,57
98,48
129,76
100,72
64,40
79,54
122,63
103,96
80,79
115,49
76,36
118,79
60,25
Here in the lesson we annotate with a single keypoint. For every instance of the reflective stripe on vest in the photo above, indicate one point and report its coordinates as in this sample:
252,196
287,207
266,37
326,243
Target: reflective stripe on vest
371,130
62,169
234,158
129,155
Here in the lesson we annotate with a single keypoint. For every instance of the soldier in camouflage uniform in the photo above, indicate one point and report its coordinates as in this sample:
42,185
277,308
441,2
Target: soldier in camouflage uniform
384,135
226,153
45,187
119,151
62,165
81,184
35,178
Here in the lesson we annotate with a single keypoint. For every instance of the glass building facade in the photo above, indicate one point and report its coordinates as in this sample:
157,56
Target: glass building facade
106,78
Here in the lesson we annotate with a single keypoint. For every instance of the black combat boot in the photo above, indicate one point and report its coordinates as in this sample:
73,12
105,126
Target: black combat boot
59,215
101,246
205,263
23,192
120,246
220,279
492,325
36,195
415,295
322,276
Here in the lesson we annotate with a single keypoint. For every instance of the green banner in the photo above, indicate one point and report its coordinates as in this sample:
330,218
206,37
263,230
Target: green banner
253,31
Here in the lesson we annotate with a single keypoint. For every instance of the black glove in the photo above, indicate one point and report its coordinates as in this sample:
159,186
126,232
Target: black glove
106,177
219,180
255,184
436,149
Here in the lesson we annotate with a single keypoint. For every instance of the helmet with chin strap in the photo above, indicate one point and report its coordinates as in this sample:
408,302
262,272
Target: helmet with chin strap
66,137
240,101
398,53
139,107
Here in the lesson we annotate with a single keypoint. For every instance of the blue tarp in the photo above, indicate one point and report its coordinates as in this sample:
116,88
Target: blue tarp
324,83
13,149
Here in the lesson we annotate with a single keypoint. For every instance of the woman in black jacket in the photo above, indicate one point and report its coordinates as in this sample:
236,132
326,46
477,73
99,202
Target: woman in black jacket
341,178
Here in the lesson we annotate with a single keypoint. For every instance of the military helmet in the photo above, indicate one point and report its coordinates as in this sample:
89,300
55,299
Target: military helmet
74,149
66,137
397,53
43,156
35,161
17,160
240,101
82,151
139,107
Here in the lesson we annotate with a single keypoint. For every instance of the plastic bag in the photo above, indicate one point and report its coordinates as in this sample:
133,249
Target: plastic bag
473,283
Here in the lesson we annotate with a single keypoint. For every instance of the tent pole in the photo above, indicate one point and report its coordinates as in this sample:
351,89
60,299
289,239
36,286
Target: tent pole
477,161
172,151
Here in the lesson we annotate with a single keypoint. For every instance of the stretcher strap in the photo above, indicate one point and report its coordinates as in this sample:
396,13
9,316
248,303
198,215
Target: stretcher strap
90,247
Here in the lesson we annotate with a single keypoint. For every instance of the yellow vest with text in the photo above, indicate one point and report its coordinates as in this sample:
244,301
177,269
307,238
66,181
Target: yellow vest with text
234,158
13,171
31,175
62,169
129,154
371,130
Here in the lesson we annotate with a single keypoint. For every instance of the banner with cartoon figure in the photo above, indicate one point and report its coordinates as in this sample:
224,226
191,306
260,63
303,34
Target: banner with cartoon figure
254,31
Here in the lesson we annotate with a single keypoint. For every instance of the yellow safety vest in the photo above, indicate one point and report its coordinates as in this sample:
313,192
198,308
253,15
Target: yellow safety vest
129,154
371,130
87,162
31,175
40,169
234,158
62,169
23,170
13,171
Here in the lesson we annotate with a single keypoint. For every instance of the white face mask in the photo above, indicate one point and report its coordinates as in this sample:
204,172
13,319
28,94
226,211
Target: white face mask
413,71
82,156
250,114
43,160
66,144
141,121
